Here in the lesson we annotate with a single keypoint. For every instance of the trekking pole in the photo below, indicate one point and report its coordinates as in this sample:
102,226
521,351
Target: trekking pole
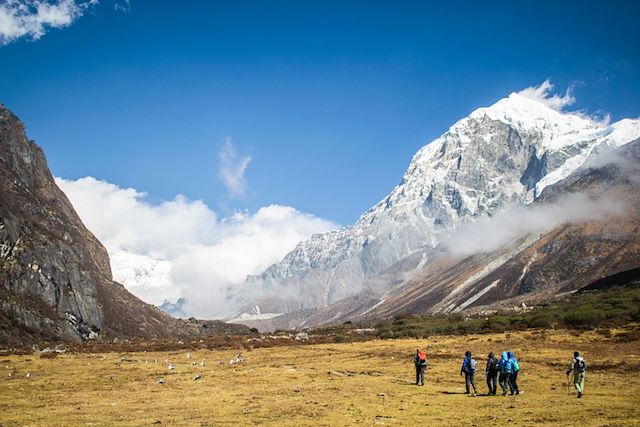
569,377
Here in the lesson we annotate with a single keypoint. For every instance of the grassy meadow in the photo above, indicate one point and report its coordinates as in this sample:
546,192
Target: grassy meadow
359,383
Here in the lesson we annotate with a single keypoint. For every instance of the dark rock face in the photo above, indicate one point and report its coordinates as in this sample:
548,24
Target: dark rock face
55,279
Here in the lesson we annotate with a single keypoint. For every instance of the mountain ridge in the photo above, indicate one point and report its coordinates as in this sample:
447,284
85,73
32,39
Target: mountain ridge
497,156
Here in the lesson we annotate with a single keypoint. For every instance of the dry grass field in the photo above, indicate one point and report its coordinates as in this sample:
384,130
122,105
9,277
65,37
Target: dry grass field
364,383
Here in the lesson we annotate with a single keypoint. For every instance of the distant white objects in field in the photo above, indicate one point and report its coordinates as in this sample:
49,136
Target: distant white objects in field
202,362
166,362
193,363
171,367
161,381
236,360
197,377
302,336
28,374
122,359
188,355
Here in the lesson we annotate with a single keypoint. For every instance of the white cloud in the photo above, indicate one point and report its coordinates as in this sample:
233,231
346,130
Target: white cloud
542,94
124,6
31,18
180,248
491,233
232,168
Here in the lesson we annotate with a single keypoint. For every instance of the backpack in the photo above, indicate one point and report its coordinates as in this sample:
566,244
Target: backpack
471,366
581,365
496,365
516,366
422,358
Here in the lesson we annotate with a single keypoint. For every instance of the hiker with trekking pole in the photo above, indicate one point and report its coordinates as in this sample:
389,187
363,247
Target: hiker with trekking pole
579,368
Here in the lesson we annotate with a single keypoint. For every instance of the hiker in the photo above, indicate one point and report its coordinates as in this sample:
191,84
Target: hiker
469,370
513,374
503,379
420,360
491,371
579,367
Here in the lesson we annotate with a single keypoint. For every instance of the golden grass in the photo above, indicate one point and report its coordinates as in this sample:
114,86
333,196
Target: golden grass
365,383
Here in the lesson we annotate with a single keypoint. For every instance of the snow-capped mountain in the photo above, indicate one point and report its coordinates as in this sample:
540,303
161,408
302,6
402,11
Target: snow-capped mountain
501,155
144,276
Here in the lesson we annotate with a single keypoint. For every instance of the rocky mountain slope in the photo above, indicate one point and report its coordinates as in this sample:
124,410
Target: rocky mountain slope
596,234
55,279
503,155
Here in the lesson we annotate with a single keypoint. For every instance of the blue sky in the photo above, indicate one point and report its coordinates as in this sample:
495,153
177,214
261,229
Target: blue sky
328,99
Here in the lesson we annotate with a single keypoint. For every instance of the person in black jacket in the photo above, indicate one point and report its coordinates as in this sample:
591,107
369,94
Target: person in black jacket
491,371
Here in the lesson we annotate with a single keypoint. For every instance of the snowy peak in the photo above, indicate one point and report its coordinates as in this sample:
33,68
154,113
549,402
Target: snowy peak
500,155
527,115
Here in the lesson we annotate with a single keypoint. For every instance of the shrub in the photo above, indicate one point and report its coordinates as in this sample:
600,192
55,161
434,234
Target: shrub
581,318
341,338
385,335
541,320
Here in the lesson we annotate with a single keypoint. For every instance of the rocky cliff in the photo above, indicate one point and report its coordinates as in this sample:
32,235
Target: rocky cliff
55,279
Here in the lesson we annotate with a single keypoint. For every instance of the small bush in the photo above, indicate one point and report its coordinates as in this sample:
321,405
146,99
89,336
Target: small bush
341,338
582,318
385,335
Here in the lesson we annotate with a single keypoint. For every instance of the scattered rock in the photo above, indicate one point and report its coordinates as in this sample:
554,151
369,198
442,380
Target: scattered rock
197,377
161,381
236,360
302,336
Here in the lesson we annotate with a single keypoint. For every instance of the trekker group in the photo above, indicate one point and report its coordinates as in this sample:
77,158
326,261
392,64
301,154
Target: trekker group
503,372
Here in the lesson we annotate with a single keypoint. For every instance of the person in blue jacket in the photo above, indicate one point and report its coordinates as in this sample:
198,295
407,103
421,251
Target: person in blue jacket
469,370
514,367
503,379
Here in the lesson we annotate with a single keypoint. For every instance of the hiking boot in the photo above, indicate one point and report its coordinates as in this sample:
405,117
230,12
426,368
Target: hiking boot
579,394
517,392
504,393
474,394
